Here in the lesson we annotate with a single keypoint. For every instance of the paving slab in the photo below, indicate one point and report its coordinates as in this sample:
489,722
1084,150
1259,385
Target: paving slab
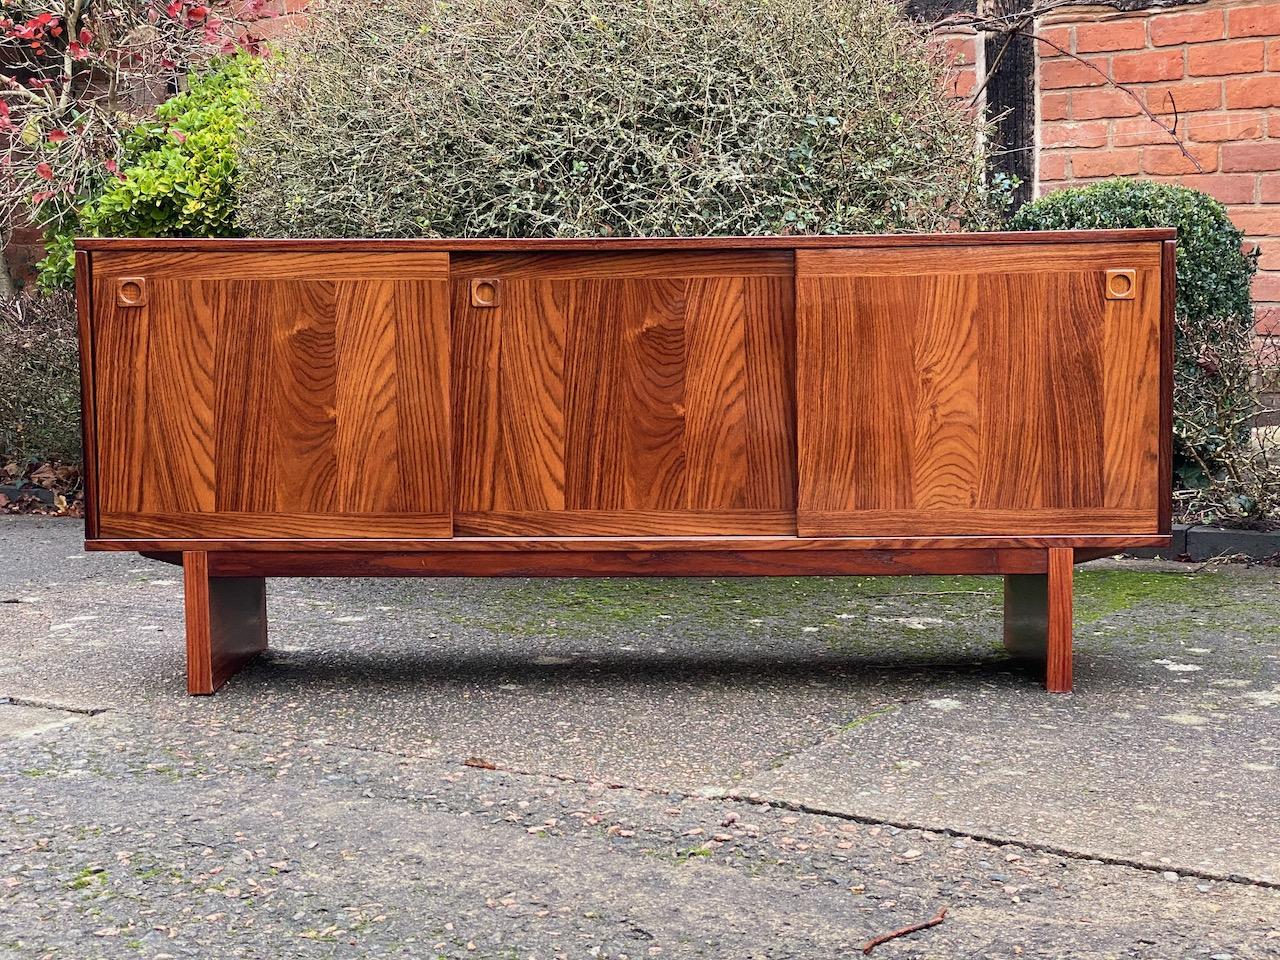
731,768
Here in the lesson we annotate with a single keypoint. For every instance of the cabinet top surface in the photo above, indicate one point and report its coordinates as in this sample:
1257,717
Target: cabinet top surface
498,244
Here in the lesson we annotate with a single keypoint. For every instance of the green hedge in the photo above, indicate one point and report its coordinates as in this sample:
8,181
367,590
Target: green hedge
536,118
178,176
39,379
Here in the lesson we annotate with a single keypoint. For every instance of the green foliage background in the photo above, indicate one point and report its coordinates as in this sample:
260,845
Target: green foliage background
39,379
178,178
534,118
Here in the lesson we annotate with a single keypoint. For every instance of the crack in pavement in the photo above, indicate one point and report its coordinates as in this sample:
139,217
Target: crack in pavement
993,839
1037,846
730,794
52,705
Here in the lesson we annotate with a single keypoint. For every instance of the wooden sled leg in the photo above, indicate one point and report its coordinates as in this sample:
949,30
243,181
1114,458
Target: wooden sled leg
1037,618
226,623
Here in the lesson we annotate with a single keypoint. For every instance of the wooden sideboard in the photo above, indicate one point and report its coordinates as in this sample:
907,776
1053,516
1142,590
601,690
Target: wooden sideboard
977,403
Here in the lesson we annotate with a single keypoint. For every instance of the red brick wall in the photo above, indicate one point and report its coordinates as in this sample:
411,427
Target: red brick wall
1219,62
962,50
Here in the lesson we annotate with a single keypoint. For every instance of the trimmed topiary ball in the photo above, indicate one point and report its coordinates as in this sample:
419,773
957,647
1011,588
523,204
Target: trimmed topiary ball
610,117
1215,396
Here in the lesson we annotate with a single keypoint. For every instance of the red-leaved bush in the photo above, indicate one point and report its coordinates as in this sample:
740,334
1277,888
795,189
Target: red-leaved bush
77,75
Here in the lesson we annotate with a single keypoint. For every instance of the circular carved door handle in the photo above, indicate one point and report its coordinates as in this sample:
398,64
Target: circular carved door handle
131,292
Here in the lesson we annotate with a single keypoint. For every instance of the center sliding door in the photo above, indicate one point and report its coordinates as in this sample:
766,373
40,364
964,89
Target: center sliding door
623,394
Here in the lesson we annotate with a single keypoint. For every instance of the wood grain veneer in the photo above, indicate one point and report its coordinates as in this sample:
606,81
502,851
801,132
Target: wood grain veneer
237,525
238,402
1113,543
615,394
736,406
233,265
1168,299
226,623
658,563
1038,616
986,392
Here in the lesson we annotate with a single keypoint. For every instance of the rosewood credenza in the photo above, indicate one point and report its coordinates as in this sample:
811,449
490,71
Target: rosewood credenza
978,403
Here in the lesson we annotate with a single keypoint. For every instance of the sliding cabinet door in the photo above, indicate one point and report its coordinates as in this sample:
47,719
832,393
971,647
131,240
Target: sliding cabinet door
282,395
985,390
624,394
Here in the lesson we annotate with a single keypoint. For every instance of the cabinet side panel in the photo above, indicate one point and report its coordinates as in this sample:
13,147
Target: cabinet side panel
88,402
1168,301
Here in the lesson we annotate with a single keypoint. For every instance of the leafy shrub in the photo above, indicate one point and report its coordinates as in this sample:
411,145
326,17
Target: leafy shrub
178,173
70,75
609,117
1222,469
39,379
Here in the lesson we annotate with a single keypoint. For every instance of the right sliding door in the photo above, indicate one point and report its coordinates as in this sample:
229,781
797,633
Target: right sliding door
999,389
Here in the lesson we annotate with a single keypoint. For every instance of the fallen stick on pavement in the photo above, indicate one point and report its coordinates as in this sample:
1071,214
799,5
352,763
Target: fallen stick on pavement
886,937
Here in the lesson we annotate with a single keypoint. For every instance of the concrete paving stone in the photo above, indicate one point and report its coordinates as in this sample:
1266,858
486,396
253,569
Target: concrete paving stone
202,840
649,739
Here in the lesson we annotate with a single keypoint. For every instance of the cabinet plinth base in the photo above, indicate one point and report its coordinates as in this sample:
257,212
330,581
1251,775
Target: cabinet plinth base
1037,618
226,591
226,623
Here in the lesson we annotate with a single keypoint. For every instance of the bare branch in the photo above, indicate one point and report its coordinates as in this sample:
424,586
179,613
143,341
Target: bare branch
72,28
1012,25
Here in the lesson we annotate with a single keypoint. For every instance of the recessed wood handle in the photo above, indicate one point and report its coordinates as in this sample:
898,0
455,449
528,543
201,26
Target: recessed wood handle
486,292
1121,284
131,292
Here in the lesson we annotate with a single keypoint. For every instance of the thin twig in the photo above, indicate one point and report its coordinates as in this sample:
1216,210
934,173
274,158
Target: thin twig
71,27
1222,557
915,927
1170,130
991,70
1014,24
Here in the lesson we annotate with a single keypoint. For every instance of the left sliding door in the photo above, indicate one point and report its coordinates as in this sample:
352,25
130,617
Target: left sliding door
244,396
